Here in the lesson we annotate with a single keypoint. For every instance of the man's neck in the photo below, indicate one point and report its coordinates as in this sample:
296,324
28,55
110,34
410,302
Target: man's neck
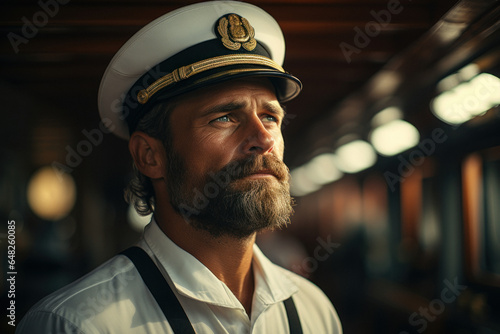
228,258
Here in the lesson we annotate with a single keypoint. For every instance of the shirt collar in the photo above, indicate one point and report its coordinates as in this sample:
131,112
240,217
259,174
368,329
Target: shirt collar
192,279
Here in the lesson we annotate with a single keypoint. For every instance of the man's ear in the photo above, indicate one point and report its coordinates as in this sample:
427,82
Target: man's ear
148,154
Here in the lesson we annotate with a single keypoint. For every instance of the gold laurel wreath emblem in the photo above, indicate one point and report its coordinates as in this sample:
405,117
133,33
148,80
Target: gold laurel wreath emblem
236,32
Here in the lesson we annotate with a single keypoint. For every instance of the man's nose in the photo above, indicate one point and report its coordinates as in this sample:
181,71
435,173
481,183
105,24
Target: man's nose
258,140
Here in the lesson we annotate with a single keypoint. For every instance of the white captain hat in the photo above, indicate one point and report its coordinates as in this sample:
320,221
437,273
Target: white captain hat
188,48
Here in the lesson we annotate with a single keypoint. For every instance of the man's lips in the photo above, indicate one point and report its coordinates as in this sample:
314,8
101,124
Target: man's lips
263,173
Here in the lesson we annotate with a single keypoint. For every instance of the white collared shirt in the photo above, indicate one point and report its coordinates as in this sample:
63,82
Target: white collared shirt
114,299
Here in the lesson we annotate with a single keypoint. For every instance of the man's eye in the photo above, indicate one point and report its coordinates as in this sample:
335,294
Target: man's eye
270,118
222,119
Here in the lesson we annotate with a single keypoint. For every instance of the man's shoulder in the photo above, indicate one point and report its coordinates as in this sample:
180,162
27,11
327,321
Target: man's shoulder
110,277
86,298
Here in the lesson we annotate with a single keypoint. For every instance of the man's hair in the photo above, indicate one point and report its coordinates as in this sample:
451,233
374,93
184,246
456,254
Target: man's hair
156,124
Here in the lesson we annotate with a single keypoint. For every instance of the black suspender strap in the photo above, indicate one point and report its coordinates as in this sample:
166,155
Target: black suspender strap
293,316
169,303
160,290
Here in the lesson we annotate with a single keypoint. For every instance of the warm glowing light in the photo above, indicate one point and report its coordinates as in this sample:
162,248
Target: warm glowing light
468,72
323,169
394,137
467,100
447,107
300,184
310,177
489,85
387,115
355,156
136,221
51,194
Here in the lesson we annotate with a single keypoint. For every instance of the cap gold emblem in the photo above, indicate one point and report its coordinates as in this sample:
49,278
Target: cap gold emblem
235,32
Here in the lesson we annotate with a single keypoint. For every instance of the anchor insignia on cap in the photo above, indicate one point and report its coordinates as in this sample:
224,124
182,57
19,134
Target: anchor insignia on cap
235,32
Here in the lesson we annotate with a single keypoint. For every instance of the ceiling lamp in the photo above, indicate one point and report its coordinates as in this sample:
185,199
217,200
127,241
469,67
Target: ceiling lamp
301,184
323,169
386,115
308,178
355,156
394,137
467,100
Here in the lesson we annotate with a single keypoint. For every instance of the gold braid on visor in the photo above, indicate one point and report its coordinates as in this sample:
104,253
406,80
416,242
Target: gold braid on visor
187,71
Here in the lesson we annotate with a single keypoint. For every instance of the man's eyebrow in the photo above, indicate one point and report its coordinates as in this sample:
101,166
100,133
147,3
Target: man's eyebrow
277,109
224,108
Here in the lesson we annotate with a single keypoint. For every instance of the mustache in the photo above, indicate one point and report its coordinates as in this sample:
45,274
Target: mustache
258,163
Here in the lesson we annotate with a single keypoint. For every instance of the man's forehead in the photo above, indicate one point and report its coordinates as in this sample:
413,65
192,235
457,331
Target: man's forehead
232,92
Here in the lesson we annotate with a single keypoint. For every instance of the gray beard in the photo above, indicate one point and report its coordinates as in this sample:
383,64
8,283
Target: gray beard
225,204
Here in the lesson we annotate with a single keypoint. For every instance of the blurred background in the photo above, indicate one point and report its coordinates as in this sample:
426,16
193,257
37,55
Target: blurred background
393,146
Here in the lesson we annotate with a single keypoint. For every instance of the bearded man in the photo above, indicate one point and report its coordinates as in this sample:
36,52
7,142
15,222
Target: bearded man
198,93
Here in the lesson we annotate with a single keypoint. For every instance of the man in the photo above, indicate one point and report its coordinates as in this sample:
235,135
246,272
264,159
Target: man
198,93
